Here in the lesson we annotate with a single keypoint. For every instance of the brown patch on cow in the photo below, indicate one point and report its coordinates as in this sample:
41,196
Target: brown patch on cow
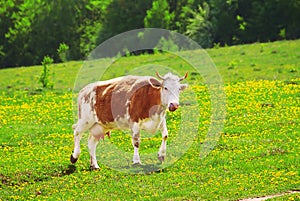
112,104
103,103
86,97
144,102
137,144
165,137
79,111
136,141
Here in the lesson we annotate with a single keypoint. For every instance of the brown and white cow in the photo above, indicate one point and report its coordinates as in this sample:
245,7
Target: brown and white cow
129,102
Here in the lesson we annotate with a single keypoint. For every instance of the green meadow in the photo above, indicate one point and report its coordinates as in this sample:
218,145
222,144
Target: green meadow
257,153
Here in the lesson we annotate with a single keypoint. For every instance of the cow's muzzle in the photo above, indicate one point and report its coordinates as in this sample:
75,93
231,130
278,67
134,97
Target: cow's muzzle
173,107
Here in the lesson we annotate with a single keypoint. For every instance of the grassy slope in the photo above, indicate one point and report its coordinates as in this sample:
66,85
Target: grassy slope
271,61
258,152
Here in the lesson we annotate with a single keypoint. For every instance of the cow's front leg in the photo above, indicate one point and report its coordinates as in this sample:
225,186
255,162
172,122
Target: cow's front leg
136,144
163,146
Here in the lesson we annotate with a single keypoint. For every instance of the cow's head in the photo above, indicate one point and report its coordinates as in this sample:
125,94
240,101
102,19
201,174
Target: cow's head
171,87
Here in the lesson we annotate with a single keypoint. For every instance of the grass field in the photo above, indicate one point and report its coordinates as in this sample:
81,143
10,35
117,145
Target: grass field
257,153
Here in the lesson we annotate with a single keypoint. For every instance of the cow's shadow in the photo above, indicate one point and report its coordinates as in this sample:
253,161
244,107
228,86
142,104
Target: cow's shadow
69,170
143,169
132,169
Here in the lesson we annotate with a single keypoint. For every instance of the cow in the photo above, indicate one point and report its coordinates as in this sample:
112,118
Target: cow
128,102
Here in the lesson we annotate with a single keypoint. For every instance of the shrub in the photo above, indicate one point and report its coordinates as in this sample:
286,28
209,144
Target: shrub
45,75
62,51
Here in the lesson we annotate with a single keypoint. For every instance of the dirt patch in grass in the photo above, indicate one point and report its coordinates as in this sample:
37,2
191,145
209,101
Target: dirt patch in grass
271,196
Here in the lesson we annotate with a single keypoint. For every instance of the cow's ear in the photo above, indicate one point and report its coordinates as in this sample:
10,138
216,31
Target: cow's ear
154,83
183,87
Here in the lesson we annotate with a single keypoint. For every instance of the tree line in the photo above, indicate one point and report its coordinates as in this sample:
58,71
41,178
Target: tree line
32,29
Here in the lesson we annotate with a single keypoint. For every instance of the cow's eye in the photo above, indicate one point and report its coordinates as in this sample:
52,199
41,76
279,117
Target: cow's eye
166,88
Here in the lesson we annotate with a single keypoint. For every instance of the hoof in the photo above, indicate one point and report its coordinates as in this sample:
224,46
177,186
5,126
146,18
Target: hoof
161,158
94,167
136,164
72,159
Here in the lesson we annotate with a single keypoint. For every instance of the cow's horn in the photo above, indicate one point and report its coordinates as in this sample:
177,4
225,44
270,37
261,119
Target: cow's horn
186,74
159,76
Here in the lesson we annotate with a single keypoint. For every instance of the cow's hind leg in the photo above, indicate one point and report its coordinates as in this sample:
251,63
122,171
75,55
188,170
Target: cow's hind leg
76,151
79,129
96,133
92,144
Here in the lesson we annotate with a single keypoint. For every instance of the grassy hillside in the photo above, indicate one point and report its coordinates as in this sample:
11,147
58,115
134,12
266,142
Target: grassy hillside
266,61
257,153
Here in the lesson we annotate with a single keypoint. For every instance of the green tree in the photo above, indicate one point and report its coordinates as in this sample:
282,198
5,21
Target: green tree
266,19
56,24
224,20
121,16
159,16
16,36
32,29
62,51
36,28
182,10
200,27
89,19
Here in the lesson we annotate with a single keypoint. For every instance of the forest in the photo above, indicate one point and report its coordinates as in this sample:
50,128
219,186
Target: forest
35,28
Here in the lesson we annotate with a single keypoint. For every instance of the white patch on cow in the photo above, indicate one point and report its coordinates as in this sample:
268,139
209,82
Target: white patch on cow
123,122
163,147
97,131
170,89
136,157
107,88
152,124
135,127
87,112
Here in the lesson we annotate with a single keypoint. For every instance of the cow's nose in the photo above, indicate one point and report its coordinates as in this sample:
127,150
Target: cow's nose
173,107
